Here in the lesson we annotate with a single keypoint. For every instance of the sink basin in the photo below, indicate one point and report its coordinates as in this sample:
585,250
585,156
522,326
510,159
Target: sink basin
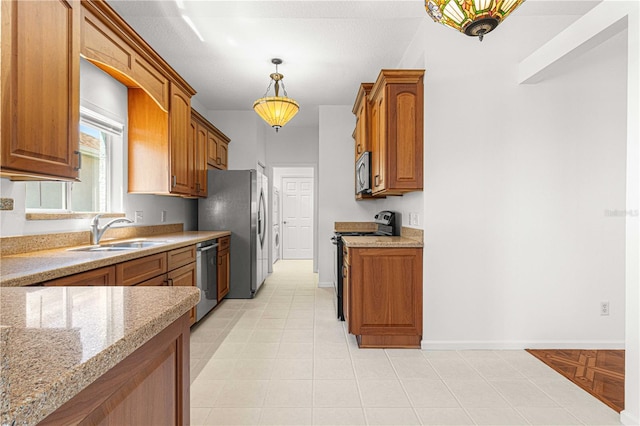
122,246
135,244
103,248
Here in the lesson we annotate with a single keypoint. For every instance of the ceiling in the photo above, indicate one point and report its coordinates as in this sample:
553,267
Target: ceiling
327,47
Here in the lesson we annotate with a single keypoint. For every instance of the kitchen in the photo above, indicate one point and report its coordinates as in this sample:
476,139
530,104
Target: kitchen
481,190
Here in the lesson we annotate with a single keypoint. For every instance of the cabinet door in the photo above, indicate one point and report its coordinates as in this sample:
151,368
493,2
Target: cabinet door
378,144
223,154
97,277
40,88
212,149
405,136
200,166
386,291
223,273
179,158
185,276
159,281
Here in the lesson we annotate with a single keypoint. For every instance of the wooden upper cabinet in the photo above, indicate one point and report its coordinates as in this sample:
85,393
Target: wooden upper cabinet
179,124
218,148
40,89
396,132
201,148
161,148
361,110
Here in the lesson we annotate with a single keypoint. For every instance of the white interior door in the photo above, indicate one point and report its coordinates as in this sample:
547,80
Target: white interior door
297,218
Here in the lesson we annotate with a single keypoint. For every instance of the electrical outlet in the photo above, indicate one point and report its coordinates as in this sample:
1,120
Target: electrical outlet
163,216
414,219
604,308
139,216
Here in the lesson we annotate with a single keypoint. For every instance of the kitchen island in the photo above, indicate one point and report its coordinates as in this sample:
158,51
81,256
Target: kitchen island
88,354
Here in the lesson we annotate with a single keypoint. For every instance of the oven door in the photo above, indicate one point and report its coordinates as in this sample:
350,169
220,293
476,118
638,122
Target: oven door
363,173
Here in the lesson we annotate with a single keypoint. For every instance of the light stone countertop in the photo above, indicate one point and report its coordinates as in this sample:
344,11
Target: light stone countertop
380,242
38,266
55,341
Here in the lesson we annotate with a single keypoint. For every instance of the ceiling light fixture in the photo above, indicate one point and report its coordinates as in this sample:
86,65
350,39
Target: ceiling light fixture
276,110
473,17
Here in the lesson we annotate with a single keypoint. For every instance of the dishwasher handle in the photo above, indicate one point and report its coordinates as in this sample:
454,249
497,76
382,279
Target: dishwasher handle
207,248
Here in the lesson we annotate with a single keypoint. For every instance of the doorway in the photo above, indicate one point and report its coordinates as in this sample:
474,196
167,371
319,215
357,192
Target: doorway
296,188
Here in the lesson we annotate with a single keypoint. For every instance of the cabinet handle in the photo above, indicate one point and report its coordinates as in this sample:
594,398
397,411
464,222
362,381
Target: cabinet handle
170,282
344,271
79,160
377,180
218,160
166,283
359,149
174,181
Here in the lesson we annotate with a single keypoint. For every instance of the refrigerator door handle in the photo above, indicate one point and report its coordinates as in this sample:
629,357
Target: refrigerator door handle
261,222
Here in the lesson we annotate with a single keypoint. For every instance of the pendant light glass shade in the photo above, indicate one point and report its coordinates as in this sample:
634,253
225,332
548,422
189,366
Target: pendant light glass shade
276,110
472,17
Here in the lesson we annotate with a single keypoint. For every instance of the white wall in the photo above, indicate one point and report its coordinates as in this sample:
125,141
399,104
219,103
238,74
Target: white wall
247,133
519,251
106,95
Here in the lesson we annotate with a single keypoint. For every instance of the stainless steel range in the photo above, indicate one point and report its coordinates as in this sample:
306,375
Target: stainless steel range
388,224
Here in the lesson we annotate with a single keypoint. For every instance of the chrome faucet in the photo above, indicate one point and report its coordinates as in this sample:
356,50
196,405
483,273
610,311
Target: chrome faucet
97,232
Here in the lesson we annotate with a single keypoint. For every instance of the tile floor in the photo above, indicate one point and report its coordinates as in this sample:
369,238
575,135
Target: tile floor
283,359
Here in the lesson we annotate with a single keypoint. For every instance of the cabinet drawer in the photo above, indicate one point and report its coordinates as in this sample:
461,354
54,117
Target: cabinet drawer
96,277
159,281
224,243
136,271
180,257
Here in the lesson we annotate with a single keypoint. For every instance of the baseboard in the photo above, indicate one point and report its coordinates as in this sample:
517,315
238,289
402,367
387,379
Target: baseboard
325,284
627,419
519,344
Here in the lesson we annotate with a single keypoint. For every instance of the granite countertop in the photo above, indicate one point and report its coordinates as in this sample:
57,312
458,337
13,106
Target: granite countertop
55,341
380,242
38,266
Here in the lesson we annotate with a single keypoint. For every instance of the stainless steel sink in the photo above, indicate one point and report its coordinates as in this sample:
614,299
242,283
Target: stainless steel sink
103,248
135,244
122,246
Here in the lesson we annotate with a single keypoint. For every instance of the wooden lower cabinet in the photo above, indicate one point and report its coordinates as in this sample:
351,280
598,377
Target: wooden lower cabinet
185,276
138,270
149,387
96,277
383,296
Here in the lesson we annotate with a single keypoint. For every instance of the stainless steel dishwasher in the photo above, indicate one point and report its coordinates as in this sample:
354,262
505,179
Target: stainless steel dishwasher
207,276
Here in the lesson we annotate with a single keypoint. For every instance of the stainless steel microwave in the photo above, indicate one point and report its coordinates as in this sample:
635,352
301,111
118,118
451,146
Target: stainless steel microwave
363,173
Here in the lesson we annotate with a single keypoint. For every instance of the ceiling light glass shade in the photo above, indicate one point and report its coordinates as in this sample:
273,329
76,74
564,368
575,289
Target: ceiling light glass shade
472,17
276,110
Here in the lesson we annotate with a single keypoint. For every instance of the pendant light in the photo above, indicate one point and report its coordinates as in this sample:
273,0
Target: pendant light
276,110
473,17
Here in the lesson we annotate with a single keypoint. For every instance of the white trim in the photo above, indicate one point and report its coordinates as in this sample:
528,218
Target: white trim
325,284
519,344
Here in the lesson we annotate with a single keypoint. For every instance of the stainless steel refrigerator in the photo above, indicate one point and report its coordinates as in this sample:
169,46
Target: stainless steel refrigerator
237,202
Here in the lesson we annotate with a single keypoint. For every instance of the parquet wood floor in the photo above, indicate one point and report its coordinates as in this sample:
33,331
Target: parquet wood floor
599,372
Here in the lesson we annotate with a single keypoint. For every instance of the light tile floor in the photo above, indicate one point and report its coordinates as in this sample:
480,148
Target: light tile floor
282,358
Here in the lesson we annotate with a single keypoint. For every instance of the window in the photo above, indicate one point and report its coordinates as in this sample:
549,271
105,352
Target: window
100,172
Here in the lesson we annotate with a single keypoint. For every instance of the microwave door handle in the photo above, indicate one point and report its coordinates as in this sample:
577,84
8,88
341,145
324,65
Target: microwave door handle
361,179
